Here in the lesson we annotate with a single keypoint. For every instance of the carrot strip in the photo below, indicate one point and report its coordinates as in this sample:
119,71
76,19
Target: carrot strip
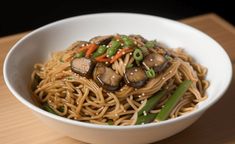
102,58
121,53
90,49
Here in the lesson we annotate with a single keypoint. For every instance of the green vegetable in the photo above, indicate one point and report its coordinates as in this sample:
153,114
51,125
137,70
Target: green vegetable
70,78
129,65
173,100
35,82
127,41
168,57
101,50
144,50
152,101
150,73
146,119
151,44
79,55
46,107
110,122
114,48
138,55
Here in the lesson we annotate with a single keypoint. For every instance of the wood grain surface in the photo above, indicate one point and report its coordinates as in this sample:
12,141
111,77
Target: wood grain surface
217,126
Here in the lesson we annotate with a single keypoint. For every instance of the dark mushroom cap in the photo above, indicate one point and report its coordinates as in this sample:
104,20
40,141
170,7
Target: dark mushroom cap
83,66
135,77
102,40
106,77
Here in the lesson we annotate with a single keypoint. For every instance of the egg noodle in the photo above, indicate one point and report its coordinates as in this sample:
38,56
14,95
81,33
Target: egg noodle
70,95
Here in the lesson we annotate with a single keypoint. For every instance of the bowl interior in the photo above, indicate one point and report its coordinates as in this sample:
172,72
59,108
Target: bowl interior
38,45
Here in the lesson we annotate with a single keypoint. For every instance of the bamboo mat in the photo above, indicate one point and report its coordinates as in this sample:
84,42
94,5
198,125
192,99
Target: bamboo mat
217,126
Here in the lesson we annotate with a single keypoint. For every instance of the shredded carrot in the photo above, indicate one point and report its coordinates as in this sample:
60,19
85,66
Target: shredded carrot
102,58
90,49
121,53
84,48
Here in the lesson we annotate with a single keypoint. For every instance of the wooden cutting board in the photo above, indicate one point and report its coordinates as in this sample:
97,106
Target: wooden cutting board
217,126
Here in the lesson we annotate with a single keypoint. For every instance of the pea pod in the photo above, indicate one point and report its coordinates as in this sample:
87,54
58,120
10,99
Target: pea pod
114,48
79,55
101,50
173,100
127,41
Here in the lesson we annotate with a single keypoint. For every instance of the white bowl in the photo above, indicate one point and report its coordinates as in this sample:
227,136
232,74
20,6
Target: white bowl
38,45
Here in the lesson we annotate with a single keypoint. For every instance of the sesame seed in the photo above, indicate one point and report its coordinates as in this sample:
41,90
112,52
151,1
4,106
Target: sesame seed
83,45
136,70
107,55
163,78
131,96
139,96
113,76
118,52
144,112
142,101
142,123
136,89
123,53
151,59
143,94
116,114
135,42
131,73
170,71
106,62
117,40
122,44
130,53
112,57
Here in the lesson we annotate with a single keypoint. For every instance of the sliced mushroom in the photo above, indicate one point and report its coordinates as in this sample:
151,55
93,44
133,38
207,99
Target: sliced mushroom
83,66
102,40
135,77
106,77
155,61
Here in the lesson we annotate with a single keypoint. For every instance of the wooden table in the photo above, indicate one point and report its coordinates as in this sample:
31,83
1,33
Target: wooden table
217,126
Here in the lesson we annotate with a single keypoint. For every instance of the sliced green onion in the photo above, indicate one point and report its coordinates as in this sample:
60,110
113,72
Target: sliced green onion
151,44
150,73
152,101
173,100
146,118
138,55
114,48
101,50
79,55
127,41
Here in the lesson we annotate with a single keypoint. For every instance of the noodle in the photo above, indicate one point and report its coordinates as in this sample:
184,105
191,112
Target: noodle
74,96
